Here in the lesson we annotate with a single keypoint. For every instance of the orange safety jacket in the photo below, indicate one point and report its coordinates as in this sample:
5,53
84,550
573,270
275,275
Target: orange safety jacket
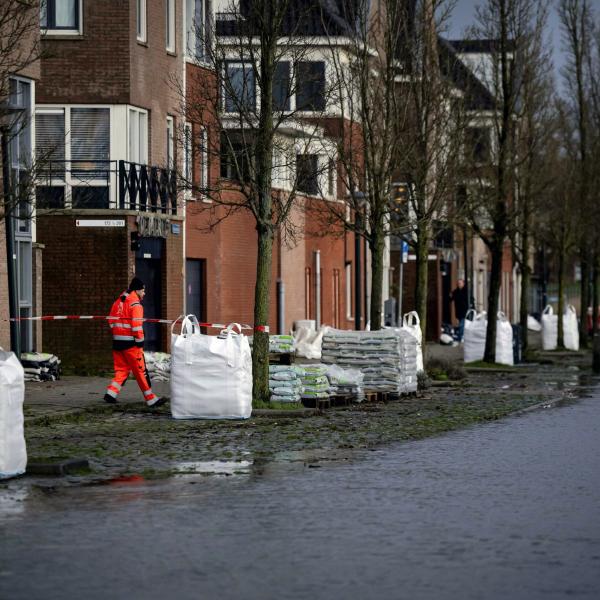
127,331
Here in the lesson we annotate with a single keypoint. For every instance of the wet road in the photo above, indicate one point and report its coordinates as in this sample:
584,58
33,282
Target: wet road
505,510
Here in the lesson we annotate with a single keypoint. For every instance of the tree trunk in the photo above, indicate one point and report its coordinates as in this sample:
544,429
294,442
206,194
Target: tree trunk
561,301
421,286
493,300
524,302
260,346
377,247
585,300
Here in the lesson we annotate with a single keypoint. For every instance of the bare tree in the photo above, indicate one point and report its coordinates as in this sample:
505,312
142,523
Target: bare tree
577,27
262,128
510,25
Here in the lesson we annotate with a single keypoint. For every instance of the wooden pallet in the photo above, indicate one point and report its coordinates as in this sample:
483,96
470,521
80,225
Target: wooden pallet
286,358
370,396
318,403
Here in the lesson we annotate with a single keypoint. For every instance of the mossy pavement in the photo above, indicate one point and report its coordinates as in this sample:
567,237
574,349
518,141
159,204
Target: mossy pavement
69,420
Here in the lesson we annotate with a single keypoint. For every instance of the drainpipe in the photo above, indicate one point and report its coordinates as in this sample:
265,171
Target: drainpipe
280,307
318,288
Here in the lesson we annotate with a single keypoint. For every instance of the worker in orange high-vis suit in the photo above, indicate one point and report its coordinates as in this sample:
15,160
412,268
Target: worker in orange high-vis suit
128,344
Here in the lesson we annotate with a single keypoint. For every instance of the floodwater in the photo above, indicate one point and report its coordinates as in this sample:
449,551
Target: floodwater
507,510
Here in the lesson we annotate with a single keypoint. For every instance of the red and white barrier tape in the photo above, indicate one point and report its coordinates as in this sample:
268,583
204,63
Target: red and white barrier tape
105,318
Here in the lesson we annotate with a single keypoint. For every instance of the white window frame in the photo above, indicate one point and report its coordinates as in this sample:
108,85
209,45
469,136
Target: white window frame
190,30
170,142
188,160
141,116
141,28
79,31
69,182
243,65
170,28
204,170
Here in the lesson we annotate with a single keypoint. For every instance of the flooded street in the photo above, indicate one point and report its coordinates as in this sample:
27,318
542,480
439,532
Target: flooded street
505,510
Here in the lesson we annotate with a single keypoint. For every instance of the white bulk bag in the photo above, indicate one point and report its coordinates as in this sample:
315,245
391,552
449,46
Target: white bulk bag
474,336
13,453
412,324
211,376
570,328
549,329
504,341
533,324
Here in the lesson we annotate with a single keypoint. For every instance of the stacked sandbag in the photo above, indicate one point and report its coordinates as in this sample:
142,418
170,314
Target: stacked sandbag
308,342
281,344
158,365
315,384
378,354
549,329
346,382
39,366
13,452
285,383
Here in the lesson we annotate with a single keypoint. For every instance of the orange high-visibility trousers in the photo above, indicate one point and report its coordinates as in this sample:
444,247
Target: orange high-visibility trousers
130,361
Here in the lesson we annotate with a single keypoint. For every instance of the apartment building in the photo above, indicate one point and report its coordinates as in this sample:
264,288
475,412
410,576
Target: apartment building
105,128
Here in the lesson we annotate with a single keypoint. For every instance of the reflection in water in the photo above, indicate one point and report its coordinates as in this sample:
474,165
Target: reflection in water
505,510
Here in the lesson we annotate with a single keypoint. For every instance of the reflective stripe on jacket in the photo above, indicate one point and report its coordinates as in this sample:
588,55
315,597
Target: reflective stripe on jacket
127,331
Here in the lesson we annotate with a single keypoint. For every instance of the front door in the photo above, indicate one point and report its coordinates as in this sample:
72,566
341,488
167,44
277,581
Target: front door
194,277
148,267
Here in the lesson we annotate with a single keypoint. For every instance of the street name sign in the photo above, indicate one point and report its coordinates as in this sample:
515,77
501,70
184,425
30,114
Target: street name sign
100,222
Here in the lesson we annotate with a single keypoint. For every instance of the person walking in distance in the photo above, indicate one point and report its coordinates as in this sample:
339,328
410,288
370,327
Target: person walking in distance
128,344
461,306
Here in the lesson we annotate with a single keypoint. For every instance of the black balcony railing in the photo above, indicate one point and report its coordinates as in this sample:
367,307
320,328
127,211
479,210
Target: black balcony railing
148,189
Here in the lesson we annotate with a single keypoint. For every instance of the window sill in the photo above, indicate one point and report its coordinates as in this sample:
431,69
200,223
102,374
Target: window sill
62,35
171,52
142,43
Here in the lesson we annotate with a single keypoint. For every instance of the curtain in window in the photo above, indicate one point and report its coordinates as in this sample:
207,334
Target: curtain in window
65,14
90,142
50,144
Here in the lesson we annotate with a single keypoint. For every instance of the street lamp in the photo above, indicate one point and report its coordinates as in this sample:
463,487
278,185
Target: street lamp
11,257
400,196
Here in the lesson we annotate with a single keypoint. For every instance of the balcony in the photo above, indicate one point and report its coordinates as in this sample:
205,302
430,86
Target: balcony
106,184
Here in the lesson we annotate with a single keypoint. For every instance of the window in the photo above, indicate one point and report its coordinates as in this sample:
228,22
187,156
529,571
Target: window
348,290
235,159
187,158
170,25
310,86
307,166
331,178
197,28
138,136
90,142
141,20
170,143
239,87
62,16
282,86
73,149
478,144
203,182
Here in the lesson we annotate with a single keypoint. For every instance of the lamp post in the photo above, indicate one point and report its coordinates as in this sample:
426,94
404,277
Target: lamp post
11,115
11,258
400,196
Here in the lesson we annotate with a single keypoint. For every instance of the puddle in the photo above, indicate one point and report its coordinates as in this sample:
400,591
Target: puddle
213,467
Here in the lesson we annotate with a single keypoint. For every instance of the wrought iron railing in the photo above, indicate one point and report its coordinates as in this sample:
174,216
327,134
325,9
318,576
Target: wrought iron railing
106,184
146,188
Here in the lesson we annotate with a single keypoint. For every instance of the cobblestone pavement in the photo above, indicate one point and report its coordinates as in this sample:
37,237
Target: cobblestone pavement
67,419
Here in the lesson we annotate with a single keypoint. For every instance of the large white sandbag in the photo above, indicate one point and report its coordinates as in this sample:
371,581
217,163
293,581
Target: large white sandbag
474,336
504,341
549,329
570,328
533,324
211,376
412,324
13,453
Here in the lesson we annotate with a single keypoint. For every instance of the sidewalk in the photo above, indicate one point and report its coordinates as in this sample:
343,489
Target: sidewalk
68,419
